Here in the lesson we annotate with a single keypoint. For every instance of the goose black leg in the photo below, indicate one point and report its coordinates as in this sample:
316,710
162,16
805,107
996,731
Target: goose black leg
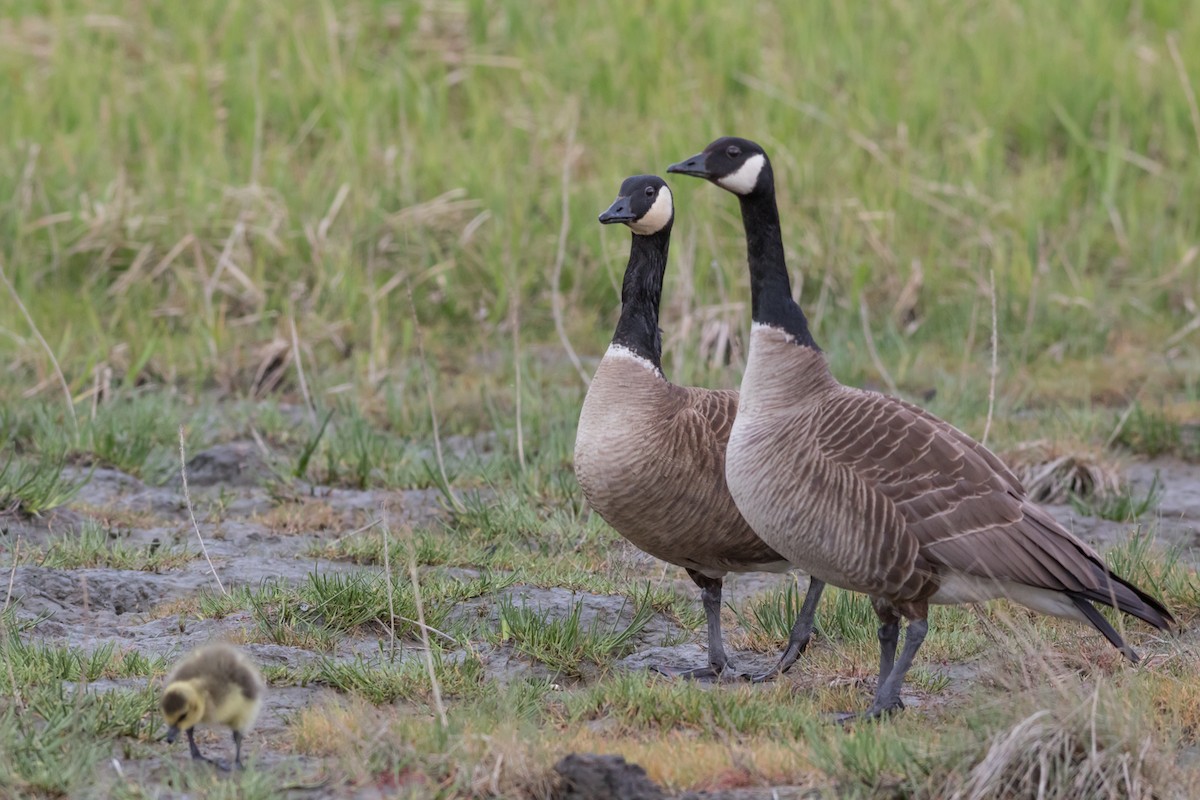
710,596
891,671
887,696
237,750
889,637
801,633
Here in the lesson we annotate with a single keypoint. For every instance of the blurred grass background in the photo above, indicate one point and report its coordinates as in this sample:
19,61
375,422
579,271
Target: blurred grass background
181,182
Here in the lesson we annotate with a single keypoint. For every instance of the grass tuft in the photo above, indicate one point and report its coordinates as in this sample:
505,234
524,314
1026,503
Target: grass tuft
94,546
33,489
381,682
1123,505
564,643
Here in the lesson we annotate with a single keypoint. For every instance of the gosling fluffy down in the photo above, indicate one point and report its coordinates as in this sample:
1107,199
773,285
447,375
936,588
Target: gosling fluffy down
215,684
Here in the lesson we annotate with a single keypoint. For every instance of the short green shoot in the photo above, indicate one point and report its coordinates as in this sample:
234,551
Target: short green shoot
33,489
642,701
92,546
565,644
1123,506
381,682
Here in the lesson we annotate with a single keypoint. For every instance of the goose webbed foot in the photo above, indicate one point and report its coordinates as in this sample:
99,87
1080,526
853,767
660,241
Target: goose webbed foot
872,713
891,676
709,673
796,645
799,636
770,675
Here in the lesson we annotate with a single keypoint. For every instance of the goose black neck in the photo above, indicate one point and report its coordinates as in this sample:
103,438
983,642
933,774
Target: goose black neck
771,300
641,293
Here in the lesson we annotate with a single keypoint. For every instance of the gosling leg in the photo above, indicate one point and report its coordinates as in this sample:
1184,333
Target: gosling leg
197,755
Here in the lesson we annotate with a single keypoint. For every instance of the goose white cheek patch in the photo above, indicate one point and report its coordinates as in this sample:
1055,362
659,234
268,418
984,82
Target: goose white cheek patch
746,178
657,217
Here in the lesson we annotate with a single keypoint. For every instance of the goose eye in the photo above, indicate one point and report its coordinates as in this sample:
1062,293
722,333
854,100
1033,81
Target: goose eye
649,191
733,151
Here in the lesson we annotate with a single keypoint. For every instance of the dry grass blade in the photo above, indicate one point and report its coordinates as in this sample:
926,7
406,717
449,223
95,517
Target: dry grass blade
426,652
308,401
515,324
1186,83
864,314
560,254
334,208
391,595
187,497
12,573
437,437
1085,750
987,426
1052,473
62,381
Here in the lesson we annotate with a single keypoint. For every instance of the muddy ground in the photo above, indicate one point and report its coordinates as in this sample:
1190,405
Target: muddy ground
89,607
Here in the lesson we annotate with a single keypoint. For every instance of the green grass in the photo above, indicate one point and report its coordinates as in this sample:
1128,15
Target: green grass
32,488
564,643
92,545
897,137
382,682
644,701
56,746
1153,432
180,184
35,664
54,731
1159,571
1123,506
314,613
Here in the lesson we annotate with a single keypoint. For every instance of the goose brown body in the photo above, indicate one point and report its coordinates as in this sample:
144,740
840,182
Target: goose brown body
650,455
874,494
650,458
899,504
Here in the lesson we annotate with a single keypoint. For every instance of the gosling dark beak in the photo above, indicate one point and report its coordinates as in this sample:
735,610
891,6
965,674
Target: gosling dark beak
172,734
694,166
618,212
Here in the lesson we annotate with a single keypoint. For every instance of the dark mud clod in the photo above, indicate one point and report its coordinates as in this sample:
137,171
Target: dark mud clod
586,776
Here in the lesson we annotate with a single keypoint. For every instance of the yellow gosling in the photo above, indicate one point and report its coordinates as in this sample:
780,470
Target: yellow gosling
215,684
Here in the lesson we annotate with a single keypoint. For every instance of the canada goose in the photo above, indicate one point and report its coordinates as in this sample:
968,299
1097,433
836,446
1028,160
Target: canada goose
650,455
215,684
877,495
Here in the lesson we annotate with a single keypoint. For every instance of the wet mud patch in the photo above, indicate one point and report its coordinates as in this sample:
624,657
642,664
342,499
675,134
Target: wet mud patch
95,596
260,531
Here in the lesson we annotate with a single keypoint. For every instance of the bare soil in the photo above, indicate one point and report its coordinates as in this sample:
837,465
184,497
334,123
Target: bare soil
233,491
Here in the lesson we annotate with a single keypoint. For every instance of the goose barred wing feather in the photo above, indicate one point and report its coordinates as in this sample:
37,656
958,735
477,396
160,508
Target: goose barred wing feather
965,508
716,409
650,457
991,459
693,443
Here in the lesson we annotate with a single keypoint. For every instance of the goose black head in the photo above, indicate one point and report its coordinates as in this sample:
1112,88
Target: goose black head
736,165
644,204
